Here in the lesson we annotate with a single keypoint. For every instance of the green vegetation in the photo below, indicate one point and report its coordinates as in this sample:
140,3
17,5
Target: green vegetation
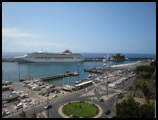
131,109
146,80
80,109
145,83
148,69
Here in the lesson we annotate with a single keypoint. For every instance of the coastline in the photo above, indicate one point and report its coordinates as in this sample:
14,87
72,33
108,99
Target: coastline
122,65
86,59
38,99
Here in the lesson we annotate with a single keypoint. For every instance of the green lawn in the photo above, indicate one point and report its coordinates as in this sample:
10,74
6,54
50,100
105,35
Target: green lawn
81,109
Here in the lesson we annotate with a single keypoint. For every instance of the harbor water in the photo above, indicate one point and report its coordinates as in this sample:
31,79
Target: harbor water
13,71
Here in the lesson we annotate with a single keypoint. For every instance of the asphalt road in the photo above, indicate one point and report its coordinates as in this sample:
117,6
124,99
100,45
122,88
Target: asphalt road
91,93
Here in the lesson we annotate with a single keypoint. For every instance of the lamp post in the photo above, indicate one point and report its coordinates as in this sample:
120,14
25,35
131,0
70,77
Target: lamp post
106,82
107,86
116,63
78,71
63,81
19,71
47,105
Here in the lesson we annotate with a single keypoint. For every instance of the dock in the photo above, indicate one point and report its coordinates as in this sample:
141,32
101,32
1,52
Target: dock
59,76
93,70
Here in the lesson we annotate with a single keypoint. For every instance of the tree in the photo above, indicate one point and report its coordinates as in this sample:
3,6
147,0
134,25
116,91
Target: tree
147,111
131,109
147,68
127,109
22,114
144,75
142,85
154,75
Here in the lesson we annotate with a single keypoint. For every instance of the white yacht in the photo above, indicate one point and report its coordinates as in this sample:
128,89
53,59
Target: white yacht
43,56
106,65
106,58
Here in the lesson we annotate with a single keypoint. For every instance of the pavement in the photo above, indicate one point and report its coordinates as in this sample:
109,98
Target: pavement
93,99
34,94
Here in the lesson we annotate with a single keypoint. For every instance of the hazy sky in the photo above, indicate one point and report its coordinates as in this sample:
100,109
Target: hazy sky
88,27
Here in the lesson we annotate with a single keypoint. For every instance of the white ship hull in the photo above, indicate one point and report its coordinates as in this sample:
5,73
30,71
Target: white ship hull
51,60
41,56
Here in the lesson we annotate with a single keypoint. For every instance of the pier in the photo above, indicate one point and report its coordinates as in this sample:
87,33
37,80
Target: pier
93,70
59,76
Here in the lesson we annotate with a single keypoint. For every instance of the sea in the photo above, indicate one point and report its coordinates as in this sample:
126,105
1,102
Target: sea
13,71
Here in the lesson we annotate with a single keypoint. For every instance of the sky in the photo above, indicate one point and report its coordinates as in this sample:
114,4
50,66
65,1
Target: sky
81,27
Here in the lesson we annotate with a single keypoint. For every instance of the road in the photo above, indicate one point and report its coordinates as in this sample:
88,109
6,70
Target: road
92,94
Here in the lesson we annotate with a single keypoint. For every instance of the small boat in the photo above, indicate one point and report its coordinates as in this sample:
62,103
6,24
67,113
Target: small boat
106,58
105,65
6,82
77,82
75,73
5,87
91,75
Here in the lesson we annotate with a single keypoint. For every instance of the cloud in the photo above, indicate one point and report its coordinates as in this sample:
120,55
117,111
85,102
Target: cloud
17,33
45,45
16,37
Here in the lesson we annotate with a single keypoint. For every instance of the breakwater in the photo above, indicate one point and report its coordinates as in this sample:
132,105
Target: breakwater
59,76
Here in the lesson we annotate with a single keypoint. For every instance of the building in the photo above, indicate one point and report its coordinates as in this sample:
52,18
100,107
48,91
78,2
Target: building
118,56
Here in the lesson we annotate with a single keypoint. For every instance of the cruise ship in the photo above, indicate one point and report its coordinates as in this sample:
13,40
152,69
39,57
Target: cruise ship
43,56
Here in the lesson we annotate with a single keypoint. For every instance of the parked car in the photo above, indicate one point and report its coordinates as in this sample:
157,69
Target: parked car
4,105
52,86
54,96
120,93
46,95
43,86
20,105
48,107
28,103
2,113
101,99
6,112
107,112
28,100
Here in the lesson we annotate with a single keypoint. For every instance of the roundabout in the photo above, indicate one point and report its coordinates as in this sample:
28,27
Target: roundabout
80,109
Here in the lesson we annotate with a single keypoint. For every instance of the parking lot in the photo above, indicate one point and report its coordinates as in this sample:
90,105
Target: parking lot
32,99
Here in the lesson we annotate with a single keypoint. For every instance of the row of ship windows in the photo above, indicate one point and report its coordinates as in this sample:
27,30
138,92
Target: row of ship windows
55,57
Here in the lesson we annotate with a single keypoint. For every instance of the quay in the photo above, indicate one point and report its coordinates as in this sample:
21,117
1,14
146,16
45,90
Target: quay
59,76
85,60
93,70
